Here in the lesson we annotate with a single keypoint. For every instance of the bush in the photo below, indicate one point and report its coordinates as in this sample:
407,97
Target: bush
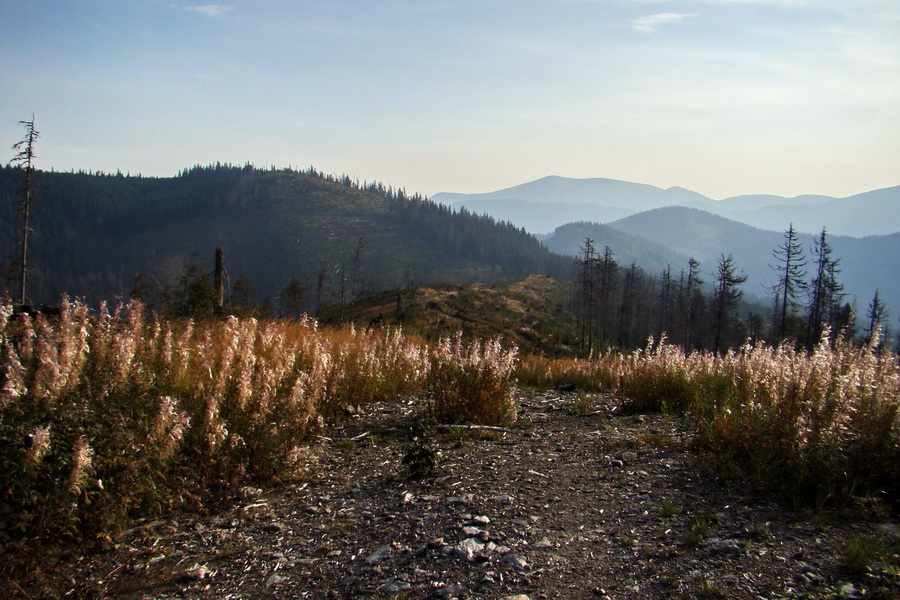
820,426
472,383
106,418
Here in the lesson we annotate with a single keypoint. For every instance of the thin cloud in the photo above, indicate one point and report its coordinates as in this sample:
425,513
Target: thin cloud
210,10
650,23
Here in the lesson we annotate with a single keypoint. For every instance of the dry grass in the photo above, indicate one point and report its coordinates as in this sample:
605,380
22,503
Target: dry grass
819,426
115,415
111,416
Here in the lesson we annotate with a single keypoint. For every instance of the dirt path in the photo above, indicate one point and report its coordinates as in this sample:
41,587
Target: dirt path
565,505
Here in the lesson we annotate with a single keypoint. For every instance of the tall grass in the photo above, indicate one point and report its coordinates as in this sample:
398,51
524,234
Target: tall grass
821,425
818,426
110,416
472,382
594,375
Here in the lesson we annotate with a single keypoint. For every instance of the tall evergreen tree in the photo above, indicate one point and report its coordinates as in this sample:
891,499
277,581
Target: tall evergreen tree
693,303
665,299
726,298
790,266
878,318
628,308
586,297
608,284
291,299
825,292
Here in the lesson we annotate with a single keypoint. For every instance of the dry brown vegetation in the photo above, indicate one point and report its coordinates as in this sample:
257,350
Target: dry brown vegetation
108,417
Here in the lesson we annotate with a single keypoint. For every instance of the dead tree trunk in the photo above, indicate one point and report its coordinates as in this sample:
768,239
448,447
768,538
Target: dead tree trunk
219,283
25,157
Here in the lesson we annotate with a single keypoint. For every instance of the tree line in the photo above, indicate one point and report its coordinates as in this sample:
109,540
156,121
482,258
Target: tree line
293,239
622,306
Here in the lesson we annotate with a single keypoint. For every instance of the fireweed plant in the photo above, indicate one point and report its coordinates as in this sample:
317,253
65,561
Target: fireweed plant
110,416
819,426
120,414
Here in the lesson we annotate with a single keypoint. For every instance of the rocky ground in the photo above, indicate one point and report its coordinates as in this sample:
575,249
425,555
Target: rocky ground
575,501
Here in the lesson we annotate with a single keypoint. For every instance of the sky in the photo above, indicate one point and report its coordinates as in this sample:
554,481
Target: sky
723,97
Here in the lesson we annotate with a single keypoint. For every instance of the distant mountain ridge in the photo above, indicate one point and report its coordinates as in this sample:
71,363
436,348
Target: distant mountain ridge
544,204
675,233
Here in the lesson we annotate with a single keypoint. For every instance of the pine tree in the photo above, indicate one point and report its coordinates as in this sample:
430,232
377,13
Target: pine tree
791,273
608,284
878,318
292,299
628,307
586,296
665,300
726,298
825,292
693,303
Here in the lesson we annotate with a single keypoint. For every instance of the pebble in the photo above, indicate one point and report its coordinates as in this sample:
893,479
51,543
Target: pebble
378,556
471,531
515,561
452,591
715,546
198,573
394,586
274,580
461,499
469,548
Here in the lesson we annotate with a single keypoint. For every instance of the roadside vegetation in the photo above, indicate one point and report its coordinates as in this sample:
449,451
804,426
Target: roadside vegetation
109,417
819,427
113,416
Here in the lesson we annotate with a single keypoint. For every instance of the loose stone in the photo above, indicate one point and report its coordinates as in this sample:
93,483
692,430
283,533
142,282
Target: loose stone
515,561
452,591
379,555
394,586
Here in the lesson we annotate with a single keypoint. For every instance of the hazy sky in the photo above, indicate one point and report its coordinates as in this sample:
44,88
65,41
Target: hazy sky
723,97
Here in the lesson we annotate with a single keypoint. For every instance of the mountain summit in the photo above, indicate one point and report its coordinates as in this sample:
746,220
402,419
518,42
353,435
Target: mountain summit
541,206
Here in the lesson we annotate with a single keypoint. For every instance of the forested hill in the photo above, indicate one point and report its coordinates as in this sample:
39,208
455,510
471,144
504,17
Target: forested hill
95,234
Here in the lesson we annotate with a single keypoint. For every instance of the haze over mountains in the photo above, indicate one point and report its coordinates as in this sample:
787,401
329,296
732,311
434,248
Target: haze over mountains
95,234
541,206
655,227
670,235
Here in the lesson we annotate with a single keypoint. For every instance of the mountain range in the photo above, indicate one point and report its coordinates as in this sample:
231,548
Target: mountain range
656,227
101,236
668,236
542,205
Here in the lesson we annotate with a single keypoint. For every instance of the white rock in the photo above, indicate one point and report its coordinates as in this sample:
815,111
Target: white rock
470,547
